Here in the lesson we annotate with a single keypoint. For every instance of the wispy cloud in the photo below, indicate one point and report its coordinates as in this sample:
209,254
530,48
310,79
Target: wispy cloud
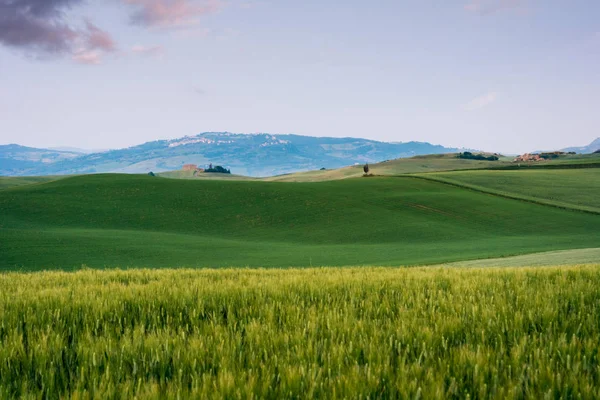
96,38
87,57
148,50
171,13
480,102
39,27
487,7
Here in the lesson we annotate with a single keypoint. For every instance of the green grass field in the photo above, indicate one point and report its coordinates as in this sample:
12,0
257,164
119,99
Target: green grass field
140,221
8,182
573,188
544,259
418,164
437,163
425,333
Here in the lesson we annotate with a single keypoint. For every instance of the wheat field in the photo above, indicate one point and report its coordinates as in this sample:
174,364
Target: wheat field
302,333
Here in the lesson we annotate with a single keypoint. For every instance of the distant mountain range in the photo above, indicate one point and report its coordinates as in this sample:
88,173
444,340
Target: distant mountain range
245,154
590,148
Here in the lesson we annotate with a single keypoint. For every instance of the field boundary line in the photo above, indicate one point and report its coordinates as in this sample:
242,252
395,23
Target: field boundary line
499,194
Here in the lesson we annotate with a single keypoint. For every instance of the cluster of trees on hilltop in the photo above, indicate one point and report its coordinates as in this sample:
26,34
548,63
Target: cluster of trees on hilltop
470,156
218,169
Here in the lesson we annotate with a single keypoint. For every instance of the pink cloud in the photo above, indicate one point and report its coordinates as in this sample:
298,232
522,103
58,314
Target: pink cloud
171,13
91,44
87,57
148,50
96,38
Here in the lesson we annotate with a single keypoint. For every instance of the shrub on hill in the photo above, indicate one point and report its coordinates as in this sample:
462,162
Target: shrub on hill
218,169
551,156
470,156
151,173
597,151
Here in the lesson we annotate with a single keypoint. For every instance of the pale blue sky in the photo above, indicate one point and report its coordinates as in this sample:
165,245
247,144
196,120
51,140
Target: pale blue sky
498,75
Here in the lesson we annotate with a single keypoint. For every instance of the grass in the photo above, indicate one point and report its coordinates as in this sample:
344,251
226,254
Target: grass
545,259
438,163
572,188
180,174
304,333
9,182
140,221
417,164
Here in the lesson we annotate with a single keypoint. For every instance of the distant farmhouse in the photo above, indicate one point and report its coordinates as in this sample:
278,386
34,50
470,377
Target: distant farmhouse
192,167
528,157
195,169
541,156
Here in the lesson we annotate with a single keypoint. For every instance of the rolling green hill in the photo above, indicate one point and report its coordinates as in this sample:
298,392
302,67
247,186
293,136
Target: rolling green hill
573,188
142,221
544,259
417,164
8,182
439,163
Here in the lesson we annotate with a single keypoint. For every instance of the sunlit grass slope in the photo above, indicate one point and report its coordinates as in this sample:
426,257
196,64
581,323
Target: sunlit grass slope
8,182
142,221
544,259
434,162
575,188
437,163
428,333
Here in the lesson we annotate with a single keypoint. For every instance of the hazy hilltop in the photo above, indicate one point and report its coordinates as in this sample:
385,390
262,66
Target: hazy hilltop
245,154
19,160
590,148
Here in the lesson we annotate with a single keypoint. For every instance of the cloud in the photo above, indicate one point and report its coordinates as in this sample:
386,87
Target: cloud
96,38
171,13
480,102
42,28
487,7
36,24
87,57
148,50
39,27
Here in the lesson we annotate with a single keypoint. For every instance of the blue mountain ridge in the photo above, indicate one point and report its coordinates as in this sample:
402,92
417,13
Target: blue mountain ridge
245,154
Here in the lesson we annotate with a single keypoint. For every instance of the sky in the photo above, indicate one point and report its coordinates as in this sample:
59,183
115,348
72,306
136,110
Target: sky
497,75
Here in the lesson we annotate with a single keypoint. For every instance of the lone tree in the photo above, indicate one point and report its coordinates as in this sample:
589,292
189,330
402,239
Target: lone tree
366,168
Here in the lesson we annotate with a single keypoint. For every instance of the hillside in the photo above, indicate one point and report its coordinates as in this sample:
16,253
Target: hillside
416,164
438,163
590,148
8,182
251,155
573,188
141,221
21,160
